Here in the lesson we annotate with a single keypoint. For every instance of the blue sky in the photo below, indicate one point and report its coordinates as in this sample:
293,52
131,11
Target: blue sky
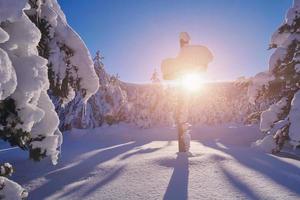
135,35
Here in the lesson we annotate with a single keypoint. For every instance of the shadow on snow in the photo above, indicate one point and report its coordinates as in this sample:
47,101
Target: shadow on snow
280,172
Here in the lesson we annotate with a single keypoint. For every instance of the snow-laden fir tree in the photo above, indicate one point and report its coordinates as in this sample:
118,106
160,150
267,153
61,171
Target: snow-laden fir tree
280,122
155,77
27,115
70,67
107,106
24,103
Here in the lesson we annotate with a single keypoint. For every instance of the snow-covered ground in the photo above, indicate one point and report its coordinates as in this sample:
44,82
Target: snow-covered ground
124,162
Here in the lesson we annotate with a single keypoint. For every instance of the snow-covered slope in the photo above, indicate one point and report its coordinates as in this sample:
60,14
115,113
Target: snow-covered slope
124,162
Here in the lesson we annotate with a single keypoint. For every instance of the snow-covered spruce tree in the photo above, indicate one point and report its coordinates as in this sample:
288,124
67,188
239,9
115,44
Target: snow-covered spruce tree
257,86
24,103
107,106
27,115
155,77
8,188
281,120
70,67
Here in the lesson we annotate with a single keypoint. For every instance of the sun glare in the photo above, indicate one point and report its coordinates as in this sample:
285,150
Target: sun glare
192,82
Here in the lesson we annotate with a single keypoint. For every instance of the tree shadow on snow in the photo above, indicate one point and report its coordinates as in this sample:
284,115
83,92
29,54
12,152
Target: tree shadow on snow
141,151
83,170
82,156
107,179
178,185
72,147
239,184
280,172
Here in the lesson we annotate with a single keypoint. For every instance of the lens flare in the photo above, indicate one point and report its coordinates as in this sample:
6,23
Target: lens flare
192,82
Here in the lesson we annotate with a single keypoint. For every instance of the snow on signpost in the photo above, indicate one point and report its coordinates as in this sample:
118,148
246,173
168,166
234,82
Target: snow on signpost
191,58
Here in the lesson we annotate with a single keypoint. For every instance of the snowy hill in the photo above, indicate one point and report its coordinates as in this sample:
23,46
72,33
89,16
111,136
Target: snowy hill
124,162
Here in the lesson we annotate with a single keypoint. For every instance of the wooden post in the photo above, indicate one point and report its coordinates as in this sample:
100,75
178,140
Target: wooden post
179,122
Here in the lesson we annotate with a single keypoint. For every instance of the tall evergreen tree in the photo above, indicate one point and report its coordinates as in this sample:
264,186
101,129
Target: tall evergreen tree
155,77
281,120
107,106
38,51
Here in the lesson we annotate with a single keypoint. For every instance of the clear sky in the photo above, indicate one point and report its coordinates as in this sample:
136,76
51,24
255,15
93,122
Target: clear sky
135,35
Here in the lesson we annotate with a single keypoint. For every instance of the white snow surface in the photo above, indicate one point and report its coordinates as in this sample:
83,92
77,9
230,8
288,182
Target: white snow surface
267,144
124,162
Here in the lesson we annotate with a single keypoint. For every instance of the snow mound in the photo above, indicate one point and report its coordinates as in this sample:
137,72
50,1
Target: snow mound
11,190
267,144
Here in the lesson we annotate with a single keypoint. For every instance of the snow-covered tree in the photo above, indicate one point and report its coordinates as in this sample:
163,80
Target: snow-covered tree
8,188
155,77
281,85
107,106
27,59
70,67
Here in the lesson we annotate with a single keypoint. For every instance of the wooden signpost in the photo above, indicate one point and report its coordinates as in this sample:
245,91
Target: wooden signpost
190,60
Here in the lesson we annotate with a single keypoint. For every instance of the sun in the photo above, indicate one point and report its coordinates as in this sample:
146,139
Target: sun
191,82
